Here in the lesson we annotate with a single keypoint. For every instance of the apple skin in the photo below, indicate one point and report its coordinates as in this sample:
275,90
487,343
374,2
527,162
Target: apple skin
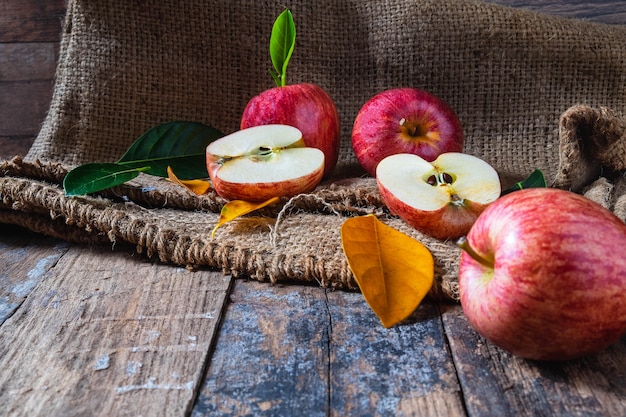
305,106
260,191
448,222
378,131
557,288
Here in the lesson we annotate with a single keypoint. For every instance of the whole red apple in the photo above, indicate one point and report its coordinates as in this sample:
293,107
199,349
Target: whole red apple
404,120
305,106
543,275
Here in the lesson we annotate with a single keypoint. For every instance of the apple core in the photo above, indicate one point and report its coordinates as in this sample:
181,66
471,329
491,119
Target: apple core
441,198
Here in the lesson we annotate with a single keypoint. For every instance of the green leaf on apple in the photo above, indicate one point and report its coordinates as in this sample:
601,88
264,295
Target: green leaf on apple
179,145
535,180
282,44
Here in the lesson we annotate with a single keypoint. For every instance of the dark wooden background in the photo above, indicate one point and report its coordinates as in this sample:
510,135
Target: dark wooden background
29,40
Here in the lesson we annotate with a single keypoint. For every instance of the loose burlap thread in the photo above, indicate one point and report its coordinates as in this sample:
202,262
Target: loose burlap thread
127,66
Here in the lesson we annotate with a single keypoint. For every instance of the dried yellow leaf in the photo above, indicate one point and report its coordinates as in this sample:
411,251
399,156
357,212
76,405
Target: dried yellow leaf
393,270
237,208
198,187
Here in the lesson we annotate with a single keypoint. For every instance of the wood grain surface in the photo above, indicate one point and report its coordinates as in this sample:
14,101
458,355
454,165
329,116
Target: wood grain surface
285,349
511,386
104,334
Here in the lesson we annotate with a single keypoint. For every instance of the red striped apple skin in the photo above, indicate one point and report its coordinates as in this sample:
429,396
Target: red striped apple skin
405,120
557,288
305,106
448,222
262,191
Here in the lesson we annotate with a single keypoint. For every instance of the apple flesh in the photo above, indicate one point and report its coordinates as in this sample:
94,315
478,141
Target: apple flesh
262,162
305,106
544,275
404,120
442,198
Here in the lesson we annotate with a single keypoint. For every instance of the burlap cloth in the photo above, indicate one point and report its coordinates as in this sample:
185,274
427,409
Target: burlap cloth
126,66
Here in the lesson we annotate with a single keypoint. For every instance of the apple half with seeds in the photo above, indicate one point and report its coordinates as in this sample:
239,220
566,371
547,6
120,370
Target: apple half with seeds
261,162
442,198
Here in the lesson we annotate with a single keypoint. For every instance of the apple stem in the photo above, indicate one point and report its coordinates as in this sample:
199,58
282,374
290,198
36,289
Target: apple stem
464,244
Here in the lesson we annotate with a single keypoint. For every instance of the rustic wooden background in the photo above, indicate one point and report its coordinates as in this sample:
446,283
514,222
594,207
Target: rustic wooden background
29,44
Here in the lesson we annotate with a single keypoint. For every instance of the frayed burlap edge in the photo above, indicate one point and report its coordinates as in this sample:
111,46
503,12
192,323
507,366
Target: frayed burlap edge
174,226
592,156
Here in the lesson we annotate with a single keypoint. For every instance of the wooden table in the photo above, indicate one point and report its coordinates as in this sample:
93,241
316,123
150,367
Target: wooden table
100,330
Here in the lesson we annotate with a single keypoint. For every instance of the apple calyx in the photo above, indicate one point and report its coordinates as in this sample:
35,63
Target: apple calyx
487,262
419,131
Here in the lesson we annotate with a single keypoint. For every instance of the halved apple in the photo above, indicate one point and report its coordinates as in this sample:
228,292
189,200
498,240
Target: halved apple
261,162
442,198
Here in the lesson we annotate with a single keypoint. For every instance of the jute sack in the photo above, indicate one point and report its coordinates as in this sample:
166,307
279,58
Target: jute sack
127,66
592,153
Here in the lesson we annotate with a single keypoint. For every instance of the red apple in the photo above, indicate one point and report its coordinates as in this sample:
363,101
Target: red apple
442,198
262,162
543,275
305,106
404,120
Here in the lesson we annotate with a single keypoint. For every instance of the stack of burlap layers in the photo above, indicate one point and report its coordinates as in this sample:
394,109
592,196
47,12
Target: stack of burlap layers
127,66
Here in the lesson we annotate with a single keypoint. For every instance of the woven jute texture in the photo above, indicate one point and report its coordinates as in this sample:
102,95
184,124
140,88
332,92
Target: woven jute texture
127,66
592,151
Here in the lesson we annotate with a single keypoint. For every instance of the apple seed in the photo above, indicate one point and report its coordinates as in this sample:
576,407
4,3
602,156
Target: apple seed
440,179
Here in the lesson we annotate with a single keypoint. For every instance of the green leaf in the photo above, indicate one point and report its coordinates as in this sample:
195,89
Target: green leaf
90,178
282,44
180,145
535,180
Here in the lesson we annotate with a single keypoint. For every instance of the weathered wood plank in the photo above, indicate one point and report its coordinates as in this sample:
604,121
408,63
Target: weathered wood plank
31,20
28,61
271,356
307,351
26,83
603,11
105,334
406,370
497,383
15,145
23,106
25,259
